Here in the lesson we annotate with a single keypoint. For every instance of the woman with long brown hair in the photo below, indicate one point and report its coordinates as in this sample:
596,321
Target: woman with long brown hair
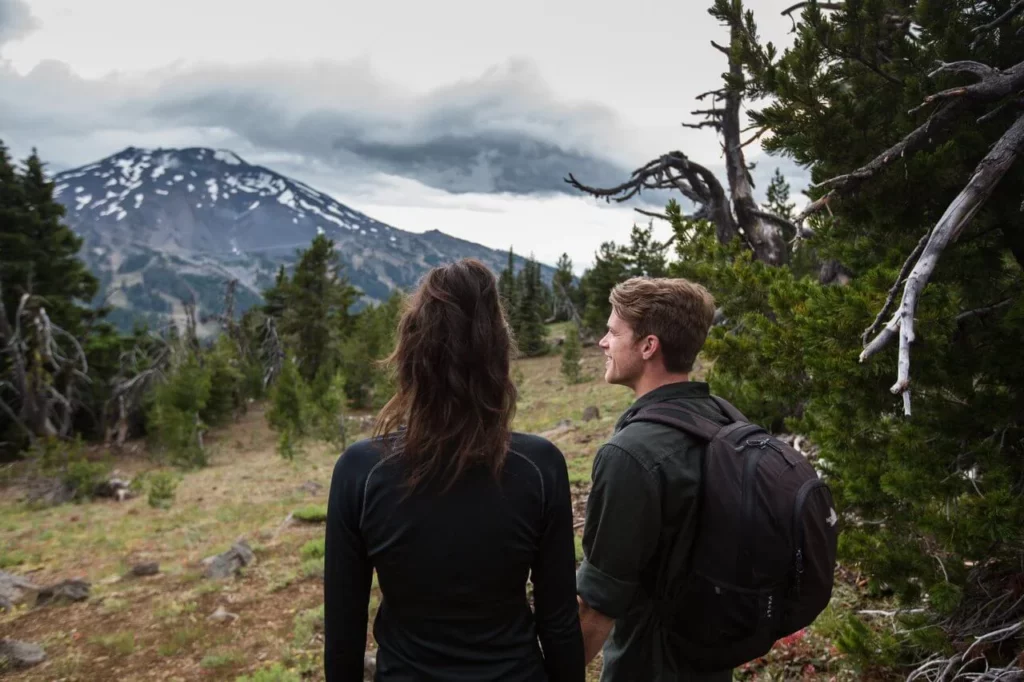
454,510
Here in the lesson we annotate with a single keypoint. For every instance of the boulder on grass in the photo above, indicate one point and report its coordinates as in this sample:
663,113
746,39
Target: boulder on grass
14,589
145,569
64,591
19,655
230,562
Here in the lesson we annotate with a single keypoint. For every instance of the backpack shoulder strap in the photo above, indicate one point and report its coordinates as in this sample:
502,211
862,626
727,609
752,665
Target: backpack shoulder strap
677,416
729,410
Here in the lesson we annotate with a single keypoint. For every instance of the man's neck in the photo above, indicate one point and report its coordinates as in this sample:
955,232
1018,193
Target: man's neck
648,383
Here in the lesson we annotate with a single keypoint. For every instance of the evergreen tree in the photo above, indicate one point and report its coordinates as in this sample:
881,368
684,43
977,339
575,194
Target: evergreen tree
644,254
38,256
174,417
38,252
316,316
367,384
291,411
572,353
930,495
610,267
778,201
563,289
275,297
530,312
508,290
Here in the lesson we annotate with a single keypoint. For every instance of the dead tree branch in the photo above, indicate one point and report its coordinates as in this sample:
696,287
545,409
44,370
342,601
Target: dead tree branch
734,213
674,171
651,214
994,86
982,312
820,5
272,351
958,215
870,331
1003,18
45,367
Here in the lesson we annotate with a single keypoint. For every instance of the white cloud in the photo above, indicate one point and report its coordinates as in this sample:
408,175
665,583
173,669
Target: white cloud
375,102
546,226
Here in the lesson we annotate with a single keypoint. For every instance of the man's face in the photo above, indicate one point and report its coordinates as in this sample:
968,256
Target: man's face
624,363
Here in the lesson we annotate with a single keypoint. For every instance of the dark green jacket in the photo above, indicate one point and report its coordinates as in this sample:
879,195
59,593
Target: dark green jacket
643,501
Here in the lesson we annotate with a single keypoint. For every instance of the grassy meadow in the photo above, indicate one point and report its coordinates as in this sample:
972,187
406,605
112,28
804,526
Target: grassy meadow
160,627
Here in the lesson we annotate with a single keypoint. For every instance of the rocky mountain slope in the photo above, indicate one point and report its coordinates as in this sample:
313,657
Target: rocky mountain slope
166,225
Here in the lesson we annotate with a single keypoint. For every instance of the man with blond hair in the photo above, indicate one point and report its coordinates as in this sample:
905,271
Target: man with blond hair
642,512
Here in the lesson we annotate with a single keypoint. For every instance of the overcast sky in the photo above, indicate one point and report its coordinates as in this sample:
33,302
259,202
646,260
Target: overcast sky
457,115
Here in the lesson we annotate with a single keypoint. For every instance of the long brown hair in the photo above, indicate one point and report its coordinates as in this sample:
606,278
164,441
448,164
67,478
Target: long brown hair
454,395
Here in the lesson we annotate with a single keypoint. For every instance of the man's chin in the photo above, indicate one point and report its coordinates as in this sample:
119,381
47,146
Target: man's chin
611,378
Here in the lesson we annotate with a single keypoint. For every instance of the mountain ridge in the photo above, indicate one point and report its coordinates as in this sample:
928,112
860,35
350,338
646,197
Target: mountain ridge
160,226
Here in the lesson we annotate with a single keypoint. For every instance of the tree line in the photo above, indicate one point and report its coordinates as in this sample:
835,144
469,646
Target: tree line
67,373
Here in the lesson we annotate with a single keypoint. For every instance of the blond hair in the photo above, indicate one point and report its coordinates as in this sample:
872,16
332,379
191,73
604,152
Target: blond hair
679,312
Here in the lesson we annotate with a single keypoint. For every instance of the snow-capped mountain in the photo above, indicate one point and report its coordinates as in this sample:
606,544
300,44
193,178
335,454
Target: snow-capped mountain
161,226
205,200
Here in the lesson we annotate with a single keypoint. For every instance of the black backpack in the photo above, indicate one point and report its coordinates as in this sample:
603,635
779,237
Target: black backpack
761,565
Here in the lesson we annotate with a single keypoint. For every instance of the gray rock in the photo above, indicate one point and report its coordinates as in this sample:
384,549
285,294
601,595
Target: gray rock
116,487
563,426
311,487
67,590
222,615
14,589
20,655
144,569
591,413
230,562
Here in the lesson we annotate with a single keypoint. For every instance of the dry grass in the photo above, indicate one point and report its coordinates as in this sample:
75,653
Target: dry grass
158,628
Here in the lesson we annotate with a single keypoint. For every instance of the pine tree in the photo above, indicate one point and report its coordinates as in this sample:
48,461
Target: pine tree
291,411
610,267
316,316
644,255
530,312
43,390
572,352
275,297
40,253
563,289
508,290
927,495
778,201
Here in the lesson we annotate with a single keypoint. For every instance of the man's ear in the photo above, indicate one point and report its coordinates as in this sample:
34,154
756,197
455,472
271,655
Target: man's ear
650,345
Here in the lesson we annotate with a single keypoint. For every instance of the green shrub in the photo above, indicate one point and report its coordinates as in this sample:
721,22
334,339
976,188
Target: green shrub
174,414
227,383
314,549
307,623
314,513
162,486
67,461
328,402
291,412
313,568
275,673
572,352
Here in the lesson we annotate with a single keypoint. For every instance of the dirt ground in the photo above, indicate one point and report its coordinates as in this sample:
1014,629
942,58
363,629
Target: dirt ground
160,627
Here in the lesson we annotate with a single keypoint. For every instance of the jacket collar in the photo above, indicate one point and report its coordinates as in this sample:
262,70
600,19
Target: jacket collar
674,391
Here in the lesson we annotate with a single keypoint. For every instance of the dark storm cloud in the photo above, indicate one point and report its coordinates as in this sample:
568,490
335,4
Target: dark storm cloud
15,20
500,132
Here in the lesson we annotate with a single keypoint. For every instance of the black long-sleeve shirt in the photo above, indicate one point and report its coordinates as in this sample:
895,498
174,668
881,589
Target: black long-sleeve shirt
452,570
